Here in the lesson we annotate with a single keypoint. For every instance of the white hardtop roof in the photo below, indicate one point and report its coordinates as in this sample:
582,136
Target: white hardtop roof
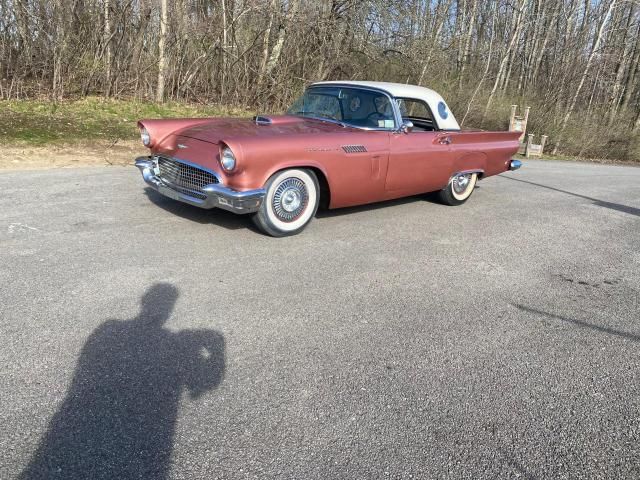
443,116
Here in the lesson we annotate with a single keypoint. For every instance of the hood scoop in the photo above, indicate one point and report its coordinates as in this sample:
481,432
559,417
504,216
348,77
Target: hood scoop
262,120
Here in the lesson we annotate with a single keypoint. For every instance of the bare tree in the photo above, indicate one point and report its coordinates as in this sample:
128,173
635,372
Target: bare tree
107,48
501,75
585,72
162,56
575,62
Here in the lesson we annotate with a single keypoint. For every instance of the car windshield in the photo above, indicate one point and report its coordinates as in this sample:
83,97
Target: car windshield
352,106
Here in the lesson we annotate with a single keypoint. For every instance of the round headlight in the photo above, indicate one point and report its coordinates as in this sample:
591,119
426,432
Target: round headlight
145,137
227,159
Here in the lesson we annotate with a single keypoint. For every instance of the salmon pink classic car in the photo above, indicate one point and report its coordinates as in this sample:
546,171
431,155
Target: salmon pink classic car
340,144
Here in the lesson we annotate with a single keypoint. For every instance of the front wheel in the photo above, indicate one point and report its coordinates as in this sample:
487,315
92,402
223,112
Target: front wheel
459,189
290,203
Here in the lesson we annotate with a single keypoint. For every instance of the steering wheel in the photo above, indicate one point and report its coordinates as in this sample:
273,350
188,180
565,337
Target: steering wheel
371,120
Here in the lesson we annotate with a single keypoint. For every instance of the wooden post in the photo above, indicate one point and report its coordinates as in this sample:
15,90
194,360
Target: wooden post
524,121
513,117
519,123
529,143
544,140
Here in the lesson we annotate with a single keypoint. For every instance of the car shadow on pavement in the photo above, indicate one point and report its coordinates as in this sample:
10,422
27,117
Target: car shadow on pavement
216,216
119,416
600,203
581,323
234,221
425,197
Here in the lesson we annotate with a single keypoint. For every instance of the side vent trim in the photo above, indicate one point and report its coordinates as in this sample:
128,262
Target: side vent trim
262,120
354,148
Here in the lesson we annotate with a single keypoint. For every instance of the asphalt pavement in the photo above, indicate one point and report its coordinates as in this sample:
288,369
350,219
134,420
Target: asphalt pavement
142,338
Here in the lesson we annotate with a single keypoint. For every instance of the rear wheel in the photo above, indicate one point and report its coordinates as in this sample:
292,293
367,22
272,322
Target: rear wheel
290,204
459,189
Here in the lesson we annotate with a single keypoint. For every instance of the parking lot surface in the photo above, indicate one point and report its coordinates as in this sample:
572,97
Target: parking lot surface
142,338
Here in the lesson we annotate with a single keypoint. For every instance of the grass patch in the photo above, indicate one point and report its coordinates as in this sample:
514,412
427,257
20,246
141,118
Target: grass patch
38,122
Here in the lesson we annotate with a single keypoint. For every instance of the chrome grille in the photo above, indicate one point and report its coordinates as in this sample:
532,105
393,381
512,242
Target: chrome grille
354,148
185,178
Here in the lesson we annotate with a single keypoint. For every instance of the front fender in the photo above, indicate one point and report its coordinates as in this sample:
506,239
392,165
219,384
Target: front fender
295,164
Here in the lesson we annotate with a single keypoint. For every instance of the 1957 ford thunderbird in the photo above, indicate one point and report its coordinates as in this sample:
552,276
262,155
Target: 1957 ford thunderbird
340,144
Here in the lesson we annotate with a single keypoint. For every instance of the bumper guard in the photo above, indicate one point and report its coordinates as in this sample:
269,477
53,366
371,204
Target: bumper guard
515,164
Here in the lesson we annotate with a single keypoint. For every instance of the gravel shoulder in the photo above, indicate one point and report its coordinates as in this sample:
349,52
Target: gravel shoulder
93,154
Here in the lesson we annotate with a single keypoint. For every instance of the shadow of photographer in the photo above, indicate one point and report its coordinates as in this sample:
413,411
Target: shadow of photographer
119,416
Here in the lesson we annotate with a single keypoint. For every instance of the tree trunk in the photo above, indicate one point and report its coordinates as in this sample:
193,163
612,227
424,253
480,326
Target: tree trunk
265,43
461,15
439,23
539,13
623,62
107,52
24,38
511,53
594,50
223,52
505,58
467,41
138,43
545,41
486,68
274,58
162,59
634,66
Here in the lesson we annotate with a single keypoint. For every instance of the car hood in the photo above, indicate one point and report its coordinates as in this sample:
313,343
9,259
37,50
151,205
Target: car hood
216,130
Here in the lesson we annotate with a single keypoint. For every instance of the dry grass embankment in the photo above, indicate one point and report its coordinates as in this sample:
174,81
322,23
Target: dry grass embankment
91,131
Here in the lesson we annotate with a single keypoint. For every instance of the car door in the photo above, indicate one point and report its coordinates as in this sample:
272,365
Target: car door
419,160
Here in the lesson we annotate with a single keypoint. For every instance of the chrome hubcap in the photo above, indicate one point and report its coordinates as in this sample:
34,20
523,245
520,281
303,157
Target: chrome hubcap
290,199
461,182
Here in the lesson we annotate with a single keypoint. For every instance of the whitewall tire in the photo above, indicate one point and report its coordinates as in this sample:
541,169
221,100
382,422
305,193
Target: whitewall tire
459,189
291,201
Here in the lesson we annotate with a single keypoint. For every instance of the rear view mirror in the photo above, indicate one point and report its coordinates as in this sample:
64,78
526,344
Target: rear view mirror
407,126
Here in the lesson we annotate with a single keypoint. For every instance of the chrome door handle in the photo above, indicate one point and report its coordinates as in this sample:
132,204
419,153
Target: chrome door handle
444,141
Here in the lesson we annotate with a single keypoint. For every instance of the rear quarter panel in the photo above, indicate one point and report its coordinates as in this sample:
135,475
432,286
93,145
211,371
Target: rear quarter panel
487,151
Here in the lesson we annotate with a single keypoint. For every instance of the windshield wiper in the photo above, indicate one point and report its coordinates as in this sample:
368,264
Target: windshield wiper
328,120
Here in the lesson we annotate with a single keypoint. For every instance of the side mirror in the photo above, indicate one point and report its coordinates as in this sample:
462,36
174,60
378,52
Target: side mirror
407,126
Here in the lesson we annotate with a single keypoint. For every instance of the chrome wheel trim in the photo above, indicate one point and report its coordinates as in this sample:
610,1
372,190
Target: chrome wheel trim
311,202
460,183
290,199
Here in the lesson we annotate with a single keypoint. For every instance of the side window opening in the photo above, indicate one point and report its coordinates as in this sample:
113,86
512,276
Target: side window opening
419,113
367,109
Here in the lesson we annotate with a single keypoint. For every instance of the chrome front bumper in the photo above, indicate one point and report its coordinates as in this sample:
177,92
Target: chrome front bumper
216,195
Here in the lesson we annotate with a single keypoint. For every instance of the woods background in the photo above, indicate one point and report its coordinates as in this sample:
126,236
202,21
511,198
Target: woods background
575,62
